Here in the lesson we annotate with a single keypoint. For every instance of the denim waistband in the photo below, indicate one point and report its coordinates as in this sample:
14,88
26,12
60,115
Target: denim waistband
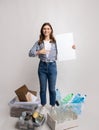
48,61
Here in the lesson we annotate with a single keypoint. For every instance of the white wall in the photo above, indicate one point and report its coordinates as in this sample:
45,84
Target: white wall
20,22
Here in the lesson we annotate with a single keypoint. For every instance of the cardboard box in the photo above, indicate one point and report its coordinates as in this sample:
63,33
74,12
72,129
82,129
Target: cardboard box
54,125
22,91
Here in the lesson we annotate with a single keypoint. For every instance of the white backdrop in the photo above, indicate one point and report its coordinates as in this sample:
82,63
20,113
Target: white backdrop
20,23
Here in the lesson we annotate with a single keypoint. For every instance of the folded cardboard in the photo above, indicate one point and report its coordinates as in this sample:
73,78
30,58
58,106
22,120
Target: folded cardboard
31,97
22,91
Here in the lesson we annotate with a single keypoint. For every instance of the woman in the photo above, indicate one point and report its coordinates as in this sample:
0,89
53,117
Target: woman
45,48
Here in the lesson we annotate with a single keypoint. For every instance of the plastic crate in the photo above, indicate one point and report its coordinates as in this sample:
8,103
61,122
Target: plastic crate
65,116
17,107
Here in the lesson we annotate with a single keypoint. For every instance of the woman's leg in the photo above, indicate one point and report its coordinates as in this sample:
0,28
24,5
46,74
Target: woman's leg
43,81
52,75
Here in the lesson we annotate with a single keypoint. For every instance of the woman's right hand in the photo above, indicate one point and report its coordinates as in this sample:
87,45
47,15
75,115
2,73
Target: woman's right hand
42,51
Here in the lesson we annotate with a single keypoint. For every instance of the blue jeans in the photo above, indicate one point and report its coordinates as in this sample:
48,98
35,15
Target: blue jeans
47,72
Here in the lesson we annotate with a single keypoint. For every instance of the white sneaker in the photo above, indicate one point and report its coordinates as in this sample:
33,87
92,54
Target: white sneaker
41,109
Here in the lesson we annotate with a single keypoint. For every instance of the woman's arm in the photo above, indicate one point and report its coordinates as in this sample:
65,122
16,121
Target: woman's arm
33,50
42,51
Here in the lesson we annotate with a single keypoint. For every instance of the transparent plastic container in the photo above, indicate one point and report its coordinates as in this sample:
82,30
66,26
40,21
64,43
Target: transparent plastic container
17,107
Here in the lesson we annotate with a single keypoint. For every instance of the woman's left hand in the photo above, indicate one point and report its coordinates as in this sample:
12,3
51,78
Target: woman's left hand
73,46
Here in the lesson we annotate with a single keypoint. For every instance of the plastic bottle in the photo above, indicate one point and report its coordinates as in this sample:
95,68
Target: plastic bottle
76,98
76,108
58,97
60,111
21,121
67,98
77,103
82,99
79,99
68,113
53,113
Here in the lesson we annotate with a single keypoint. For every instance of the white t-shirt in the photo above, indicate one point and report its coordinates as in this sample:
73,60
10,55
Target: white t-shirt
47,46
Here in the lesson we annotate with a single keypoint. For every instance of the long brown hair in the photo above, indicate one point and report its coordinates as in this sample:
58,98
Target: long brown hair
42,37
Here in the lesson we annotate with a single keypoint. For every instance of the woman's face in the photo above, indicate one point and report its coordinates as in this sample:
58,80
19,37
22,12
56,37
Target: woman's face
46,30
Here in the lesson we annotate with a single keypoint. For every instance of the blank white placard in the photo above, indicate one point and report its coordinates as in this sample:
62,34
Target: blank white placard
64,46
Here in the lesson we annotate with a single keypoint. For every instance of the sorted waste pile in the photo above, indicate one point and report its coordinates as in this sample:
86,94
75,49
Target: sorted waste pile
26,102
29,120
24,107
69,107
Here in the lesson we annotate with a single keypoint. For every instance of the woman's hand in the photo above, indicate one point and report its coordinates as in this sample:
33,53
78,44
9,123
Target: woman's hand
73,46
42,51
